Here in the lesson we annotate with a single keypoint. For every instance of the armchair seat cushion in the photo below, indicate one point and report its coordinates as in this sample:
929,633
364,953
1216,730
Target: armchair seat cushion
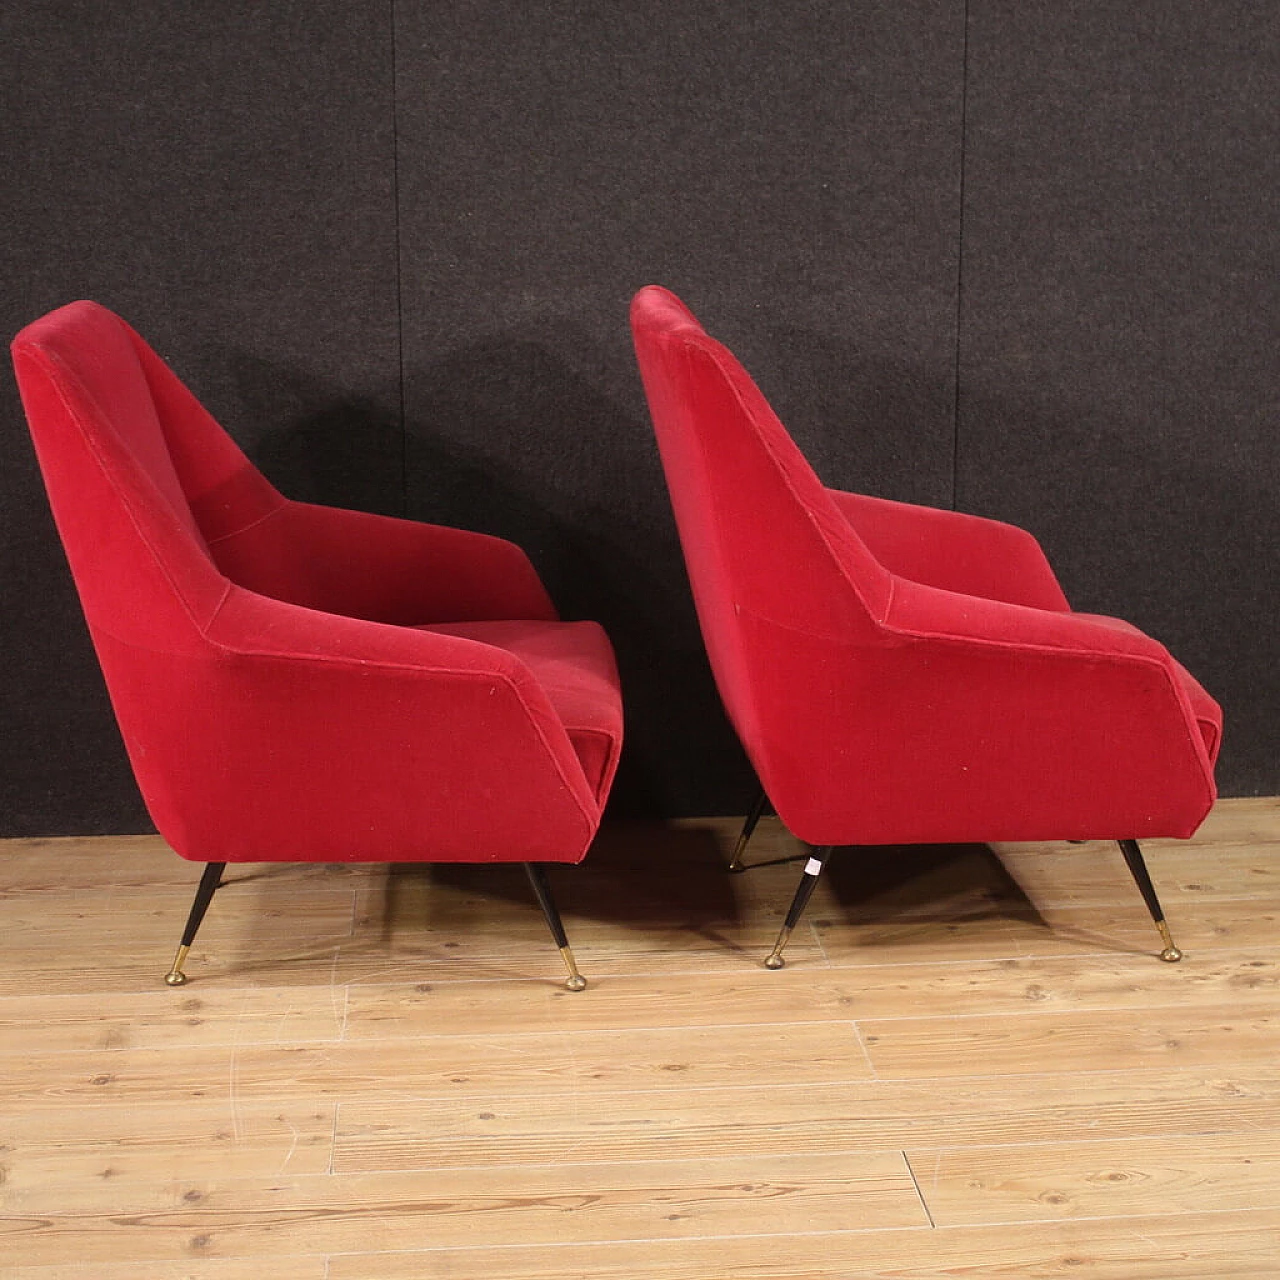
573,662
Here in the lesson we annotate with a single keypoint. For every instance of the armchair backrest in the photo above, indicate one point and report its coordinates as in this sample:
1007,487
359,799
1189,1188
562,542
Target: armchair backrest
766,548
119,452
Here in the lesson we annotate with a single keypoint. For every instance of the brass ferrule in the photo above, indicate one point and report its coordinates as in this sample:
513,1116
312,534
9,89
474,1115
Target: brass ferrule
575,981
175,977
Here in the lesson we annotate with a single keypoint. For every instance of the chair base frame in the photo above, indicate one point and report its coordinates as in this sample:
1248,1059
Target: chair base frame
212,878
814,867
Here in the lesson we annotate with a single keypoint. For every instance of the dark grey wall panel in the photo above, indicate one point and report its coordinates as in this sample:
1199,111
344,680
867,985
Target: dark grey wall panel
790,169
221,175
226,177
1120,308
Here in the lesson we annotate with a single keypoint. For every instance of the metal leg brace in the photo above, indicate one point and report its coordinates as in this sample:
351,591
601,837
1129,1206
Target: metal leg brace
757,809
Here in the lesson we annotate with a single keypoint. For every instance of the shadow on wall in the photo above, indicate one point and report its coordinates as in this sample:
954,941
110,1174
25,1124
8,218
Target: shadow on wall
505,438
866,419
509,437
339,449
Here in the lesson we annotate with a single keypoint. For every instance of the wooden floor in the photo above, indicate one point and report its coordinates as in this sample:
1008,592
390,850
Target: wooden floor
973,1066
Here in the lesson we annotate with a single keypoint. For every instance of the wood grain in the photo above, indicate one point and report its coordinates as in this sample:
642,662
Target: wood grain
1200,1247
451,1208
781,1118
972,1065
534,1062
162,1018
1088,1041
311,1267
51,1157
1035,1181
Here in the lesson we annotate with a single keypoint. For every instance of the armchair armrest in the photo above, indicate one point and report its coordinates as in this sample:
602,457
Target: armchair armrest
1108,701
1013,723
381,568
954,551
922,611
336,739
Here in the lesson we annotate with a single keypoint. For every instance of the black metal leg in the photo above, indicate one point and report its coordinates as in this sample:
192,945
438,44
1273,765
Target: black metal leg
757,809
804,891
204,892
1138,869
538,879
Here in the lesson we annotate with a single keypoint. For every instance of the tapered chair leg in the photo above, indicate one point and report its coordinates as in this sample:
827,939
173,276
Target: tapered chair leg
804,891
1138,869
538,879
204,892
757,809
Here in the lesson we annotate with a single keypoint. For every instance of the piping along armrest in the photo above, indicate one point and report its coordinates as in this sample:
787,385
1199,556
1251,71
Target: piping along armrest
930,612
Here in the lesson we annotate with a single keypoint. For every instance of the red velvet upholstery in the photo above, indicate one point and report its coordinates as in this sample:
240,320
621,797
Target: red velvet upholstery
296,682
901,674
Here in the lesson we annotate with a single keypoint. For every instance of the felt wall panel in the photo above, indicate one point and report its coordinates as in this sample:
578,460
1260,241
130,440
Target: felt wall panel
265,190
790,169
1120,306
222,176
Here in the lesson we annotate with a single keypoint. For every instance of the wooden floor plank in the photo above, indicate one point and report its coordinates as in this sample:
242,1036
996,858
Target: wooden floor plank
461,1207
427,1067
967,929
128,922
1154,1039
163,1018
310,1267
1217,980
50,1157
1238,1246
779,1118
1075,875
1235,980
622,1002
65,864
1038,1181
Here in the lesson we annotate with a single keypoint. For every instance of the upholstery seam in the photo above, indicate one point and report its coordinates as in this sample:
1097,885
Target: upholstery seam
708,346
56,365
1199,748
253,524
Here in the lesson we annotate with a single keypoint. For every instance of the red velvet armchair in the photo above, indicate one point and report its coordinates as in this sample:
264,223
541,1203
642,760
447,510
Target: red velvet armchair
301,683
899,674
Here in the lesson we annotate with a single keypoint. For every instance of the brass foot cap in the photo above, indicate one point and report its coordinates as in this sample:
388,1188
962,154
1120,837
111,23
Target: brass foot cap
775,962
1171,955
576,983
175,978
